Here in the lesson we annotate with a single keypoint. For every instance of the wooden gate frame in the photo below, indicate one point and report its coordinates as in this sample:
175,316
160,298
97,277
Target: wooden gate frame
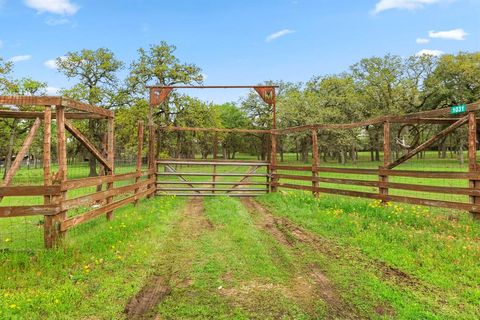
53,194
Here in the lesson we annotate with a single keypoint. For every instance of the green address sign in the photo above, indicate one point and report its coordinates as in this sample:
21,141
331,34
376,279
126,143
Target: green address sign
458,109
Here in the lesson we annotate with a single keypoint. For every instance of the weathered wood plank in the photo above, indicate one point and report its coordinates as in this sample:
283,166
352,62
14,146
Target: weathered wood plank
21,211
409,200
21,154
74,221
93,181
214,130
430,174
37,114
70,103
140,132
329,169
87,144
472,159
428,143
25,191
30,100
103,195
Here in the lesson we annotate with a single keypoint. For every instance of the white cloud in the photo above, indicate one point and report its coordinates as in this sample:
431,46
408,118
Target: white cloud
384,5
52,64
20,58
455,34
278,34
52,91
62,7
428,52
423,40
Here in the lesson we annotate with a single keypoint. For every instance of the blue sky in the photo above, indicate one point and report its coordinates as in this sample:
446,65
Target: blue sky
236,42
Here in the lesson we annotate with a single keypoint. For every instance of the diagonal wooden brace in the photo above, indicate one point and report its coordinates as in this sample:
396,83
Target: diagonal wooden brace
429,142
87,144
21,154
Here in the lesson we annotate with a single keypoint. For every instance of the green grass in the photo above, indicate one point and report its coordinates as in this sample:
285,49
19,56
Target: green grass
394,261
223,264
439,248
100,266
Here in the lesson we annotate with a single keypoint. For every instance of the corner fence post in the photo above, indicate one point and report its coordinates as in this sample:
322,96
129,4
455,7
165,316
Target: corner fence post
110,159
474,183
273,161
315,163
53,234
383,178
151,152
139,155
47,179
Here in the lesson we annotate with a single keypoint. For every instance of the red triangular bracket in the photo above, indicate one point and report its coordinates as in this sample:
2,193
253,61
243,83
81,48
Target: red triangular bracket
267,94
159,95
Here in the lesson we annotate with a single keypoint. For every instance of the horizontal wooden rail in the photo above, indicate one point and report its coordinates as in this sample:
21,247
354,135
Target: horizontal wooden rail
430,174
94,181
33,210
409,200
327,169
328,180
103,195
73,221
379,184
21,191
216,163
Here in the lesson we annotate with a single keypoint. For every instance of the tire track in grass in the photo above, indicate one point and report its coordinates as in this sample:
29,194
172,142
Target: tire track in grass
401,280
159,286
309,281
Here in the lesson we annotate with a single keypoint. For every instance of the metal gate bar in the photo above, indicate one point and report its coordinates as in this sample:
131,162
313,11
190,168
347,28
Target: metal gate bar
210,187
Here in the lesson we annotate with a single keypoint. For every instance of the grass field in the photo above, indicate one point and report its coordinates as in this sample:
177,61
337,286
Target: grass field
282,256
27,232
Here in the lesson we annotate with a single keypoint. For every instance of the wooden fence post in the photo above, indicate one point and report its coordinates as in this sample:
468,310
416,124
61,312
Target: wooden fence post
139,155
53,234
386,159
151,151
315,162
47,177
472,158
110,159
273,161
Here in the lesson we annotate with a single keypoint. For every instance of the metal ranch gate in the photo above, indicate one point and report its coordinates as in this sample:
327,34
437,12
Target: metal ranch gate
210,177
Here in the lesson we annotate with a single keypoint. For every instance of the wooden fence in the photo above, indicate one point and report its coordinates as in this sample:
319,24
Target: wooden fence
122,189
383,182
62,197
